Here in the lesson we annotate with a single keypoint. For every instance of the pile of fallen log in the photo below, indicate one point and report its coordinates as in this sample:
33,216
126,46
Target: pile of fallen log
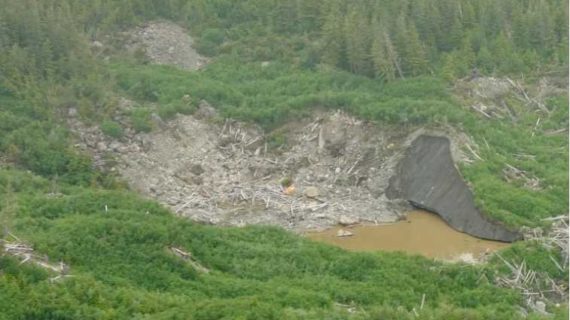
538,287
491,97
17,248
535,287
257,189
187,256
556,238
265,196
236,138
523,96
511,173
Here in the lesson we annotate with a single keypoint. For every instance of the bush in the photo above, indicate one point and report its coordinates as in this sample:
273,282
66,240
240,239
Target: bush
112,129
276,139
140,119
45,151
167,112
210,40
145,89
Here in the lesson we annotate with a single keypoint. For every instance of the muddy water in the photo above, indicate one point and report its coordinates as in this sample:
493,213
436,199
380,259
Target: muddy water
422,233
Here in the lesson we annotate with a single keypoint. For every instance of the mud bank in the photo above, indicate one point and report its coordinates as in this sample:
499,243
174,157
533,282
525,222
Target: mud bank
428,179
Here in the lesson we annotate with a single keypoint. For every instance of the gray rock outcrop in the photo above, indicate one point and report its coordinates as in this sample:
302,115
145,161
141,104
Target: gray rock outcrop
428,179
167,43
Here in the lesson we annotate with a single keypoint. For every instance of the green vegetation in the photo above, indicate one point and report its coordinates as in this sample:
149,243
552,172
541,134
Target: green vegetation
140,118
112,129
122,267
390,62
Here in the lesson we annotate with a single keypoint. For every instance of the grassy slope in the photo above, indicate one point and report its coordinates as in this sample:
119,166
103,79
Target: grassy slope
121,267
120,261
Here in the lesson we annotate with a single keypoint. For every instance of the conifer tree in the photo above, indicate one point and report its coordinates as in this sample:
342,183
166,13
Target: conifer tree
485,60
383,62
356,31
467,55
332,35
415,55
449,68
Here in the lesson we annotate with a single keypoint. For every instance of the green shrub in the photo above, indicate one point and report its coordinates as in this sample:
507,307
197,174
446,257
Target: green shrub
170,111
145,90
112,129
286,182
44,149
167,112
276,140
140,119
210,40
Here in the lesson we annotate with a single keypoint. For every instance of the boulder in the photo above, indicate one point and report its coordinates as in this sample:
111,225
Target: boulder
72,112
101,146
311,192
428,179
335,138
344,233
540,307
115,146
347,221
467,258
197,169
205,110
156,119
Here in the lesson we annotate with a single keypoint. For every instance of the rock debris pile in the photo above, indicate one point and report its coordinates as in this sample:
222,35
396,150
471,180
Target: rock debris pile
229,173
167,43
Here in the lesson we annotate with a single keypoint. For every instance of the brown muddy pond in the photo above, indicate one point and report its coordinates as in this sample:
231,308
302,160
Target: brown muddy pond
422,233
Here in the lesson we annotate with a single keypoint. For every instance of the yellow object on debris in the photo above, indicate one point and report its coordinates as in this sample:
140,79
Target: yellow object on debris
289,190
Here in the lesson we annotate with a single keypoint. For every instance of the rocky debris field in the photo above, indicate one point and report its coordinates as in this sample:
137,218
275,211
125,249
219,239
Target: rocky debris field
166,43
329,169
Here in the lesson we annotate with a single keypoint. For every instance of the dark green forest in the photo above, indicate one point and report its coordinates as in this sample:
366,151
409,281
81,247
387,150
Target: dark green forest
394,63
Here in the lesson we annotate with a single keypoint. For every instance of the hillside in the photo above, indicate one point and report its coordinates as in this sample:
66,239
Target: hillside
144,145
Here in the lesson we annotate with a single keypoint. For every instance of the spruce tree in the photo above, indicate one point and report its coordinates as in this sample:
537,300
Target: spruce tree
332,35
356,30
485,61
383,64
415,53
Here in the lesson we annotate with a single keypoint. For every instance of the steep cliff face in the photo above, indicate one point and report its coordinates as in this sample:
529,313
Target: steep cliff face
428,179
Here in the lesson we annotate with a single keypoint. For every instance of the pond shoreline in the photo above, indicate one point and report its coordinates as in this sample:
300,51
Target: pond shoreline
421,233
